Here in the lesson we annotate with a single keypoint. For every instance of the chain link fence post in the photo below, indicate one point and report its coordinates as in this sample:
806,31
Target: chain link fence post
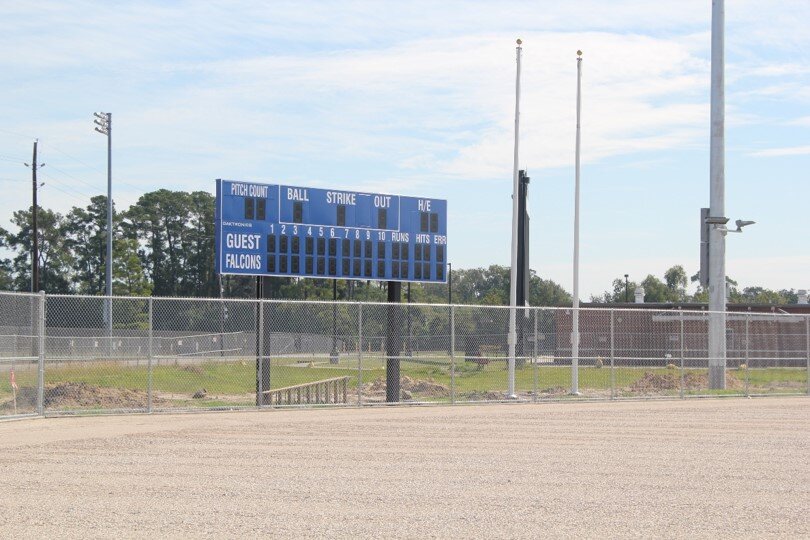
534,356
151,353
807,339
683,375
747,340
452,354
359,354
260,367
612,355
41,356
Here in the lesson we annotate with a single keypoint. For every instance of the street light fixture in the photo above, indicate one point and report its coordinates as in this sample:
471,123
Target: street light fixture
626,288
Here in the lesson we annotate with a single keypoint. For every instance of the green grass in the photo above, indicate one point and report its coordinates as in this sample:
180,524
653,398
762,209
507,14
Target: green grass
178,382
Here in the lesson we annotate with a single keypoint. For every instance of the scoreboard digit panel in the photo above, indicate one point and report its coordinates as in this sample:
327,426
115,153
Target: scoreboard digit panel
293,231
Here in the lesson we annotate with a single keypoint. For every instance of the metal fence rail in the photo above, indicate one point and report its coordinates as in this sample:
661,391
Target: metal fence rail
60,355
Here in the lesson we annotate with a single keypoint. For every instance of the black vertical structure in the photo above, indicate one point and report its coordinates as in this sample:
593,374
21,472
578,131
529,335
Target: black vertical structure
393,342
333,356
262,346
409,344
35,237
626,288
221,317
523,273
449,309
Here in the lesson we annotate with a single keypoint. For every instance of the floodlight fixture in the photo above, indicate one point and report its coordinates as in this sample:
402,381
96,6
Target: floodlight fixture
743,223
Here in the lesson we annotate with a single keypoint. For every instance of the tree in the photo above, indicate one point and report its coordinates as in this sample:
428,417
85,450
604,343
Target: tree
6,277
129,278
676,281
672,289
55,261
175,232
86,238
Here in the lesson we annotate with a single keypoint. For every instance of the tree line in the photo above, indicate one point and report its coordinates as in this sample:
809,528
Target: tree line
163,245
673,289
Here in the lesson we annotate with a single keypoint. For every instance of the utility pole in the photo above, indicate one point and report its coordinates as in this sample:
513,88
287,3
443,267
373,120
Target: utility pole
35,232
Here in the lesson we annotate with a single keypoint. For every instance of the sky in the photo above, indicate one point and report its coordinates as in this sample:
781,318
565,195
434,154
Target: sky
418,98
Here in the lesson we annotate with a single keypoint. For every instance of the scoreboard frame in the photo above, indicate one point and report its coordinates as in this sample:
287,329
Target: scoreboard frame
292,231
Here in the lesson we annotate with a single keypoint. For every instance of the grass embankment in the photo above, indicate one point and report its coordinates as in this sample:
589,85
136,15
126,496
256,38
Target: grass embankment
233,382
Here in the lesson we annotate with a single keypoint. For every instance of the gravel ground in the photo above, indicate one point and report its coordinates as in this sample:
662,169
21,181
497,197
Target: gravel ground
695,468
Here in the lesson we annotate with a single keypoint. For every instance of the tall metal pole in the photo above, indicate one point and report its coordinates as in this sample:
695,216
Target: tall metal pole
103,123
575,324
109,212
512,337
717,240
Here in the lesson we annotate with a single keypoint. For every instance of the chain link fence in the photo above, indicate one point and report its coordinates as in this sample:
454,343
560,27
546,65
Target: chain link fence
87,354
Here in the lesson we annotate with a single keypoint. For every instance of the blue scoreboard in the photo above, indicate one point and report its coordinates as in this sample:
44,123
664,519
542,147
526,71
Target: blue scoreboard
277,230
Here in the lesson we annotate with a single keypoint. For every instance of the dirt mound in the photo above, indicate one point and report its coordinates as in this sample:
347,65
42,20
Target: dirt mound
427,387
656,382
483,396
409,387
554,390
72,395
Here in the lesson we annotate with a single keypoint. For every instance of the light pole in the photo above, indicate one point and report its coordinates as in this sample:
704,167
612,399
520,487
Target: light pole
512,336
103,123
717,240
575,323
626,288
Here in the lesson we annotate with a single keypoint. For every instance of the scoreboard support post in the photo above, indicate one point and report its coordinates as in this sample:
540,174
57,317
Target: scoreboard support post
408,343
334,356
262,346
393,343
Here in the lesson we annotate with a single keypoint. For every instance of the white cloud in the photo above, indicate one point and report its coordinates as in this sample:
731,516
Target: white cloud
781,152
801,121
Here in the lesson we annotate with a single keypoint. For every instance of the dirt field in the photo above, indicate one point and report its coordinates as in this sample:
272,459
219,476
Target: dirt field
707,468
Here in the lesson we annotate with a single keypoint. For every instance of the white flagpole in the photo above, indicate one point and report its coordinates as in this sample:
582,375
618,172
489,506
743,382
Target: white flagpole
512,337
575,332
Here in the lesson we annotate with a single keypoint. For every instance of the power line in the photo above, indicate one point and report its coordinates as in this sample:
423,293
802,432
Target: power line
67,186
16,133
72,196
139,189
86,183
